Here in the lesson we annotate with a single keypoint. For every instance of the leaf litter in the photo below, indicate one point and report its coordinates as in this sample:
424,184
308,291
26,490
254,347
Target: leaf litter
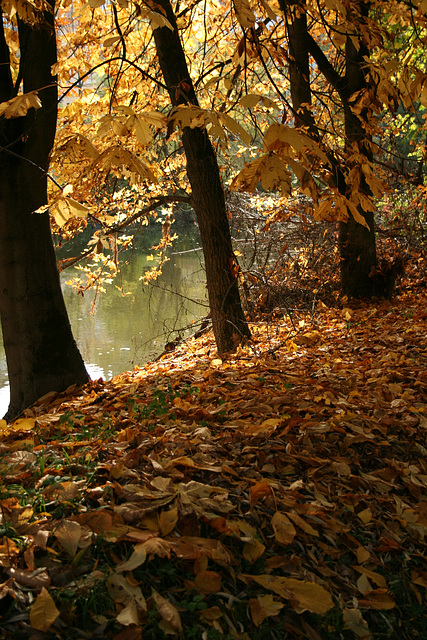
278,493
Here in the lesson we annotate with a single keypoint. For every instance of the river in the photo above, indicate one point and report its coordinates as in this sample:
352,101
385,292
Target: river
128,330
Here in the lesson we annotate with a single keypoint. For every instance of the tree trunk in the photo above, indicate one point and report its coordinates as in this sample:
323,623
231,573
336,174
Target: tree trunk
299,68
41,353
357,243
228,320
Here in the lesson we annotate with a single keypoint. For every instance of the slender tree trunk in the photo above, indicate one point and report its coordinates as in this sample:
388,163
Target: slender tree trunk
41,353
229,324
299,68
356,243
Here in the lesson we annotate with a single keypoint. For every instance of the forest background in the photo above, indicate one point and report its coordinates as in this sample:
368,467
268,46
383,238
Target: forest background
158,493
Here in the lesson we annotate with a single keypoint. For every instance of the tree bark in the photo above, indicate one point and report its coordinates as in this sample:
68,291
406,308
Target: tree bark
228,320
356,243
41,353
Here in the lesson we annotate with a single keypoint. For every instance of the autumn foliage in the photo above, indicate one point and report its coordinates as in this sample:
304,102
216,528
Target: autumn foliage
276,493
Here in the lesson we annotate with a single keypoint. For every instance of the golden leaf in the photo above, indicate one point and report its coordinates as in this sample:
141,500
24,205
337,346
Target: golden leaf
19,106
303,595
168,520
284,530
137,558
252,550
244,13
43,612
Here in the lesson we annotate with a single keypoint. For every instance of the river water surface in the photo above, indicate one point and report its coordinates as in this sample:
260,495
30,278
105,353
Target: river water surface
128,330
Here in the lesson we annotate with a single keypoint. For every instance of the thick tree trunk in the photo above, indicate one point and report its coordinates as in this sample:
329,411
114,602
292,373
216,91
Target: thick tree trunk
41,353
229,324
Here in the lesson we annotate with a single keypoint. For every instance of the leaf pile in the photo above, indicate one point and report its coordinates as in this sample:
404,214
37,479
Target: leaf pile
279,493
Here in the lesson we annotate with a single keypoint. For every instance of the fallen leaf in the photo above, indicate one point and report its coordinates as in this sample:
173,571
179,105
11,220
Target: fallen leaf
303,595
207,582
284,530
43,612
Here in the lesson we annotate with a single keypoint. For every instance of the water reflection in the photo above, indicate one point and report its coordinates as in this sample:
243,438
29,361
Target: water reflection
128,330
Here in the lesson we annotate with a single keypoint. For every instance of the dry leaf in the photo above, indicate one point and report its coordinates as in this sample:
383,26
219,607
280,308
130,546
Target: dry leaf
43,612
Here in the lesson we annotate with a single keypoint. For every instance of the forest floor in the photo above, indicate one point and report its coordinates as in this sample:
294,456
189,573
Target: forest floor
277,493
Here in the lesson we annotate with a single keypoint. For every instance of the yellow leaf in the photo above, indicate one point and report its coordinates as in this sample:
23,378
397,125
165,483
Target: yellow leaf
142,131
378,599
137,558
64,208
3,425
96,3
279,137
244,13
235,127
258,613
253,550
375,577
212,613
263,607
249,100
362,554
128,615
354,621
363,585
303,595
43,612
365,515
271,13
19,106
168,520
168,612
284,530
158,20
23,424
108,42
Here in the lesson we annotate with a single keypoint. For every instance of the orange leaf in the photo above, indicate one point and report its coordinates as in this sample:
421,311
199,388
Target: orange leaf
257,491
207,582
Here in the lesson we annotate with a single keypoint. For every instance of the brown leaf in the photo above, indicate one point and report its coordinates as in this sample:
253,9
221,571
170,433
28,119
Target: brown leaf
169,614
68,534
284,530
257,491
207,582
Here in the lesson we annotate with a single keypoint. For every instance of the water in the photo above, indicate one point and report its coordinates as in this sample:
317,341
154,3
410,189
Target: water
128,330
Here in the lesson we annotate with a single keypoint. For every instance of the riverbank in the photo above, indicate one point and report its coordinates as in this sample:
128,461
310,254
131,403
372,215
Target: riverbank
277,493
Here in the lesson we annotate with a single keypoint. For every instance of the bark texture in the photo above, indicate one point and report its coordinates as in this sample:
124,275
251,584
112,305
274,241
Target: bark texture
356,243
41,353
228,320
